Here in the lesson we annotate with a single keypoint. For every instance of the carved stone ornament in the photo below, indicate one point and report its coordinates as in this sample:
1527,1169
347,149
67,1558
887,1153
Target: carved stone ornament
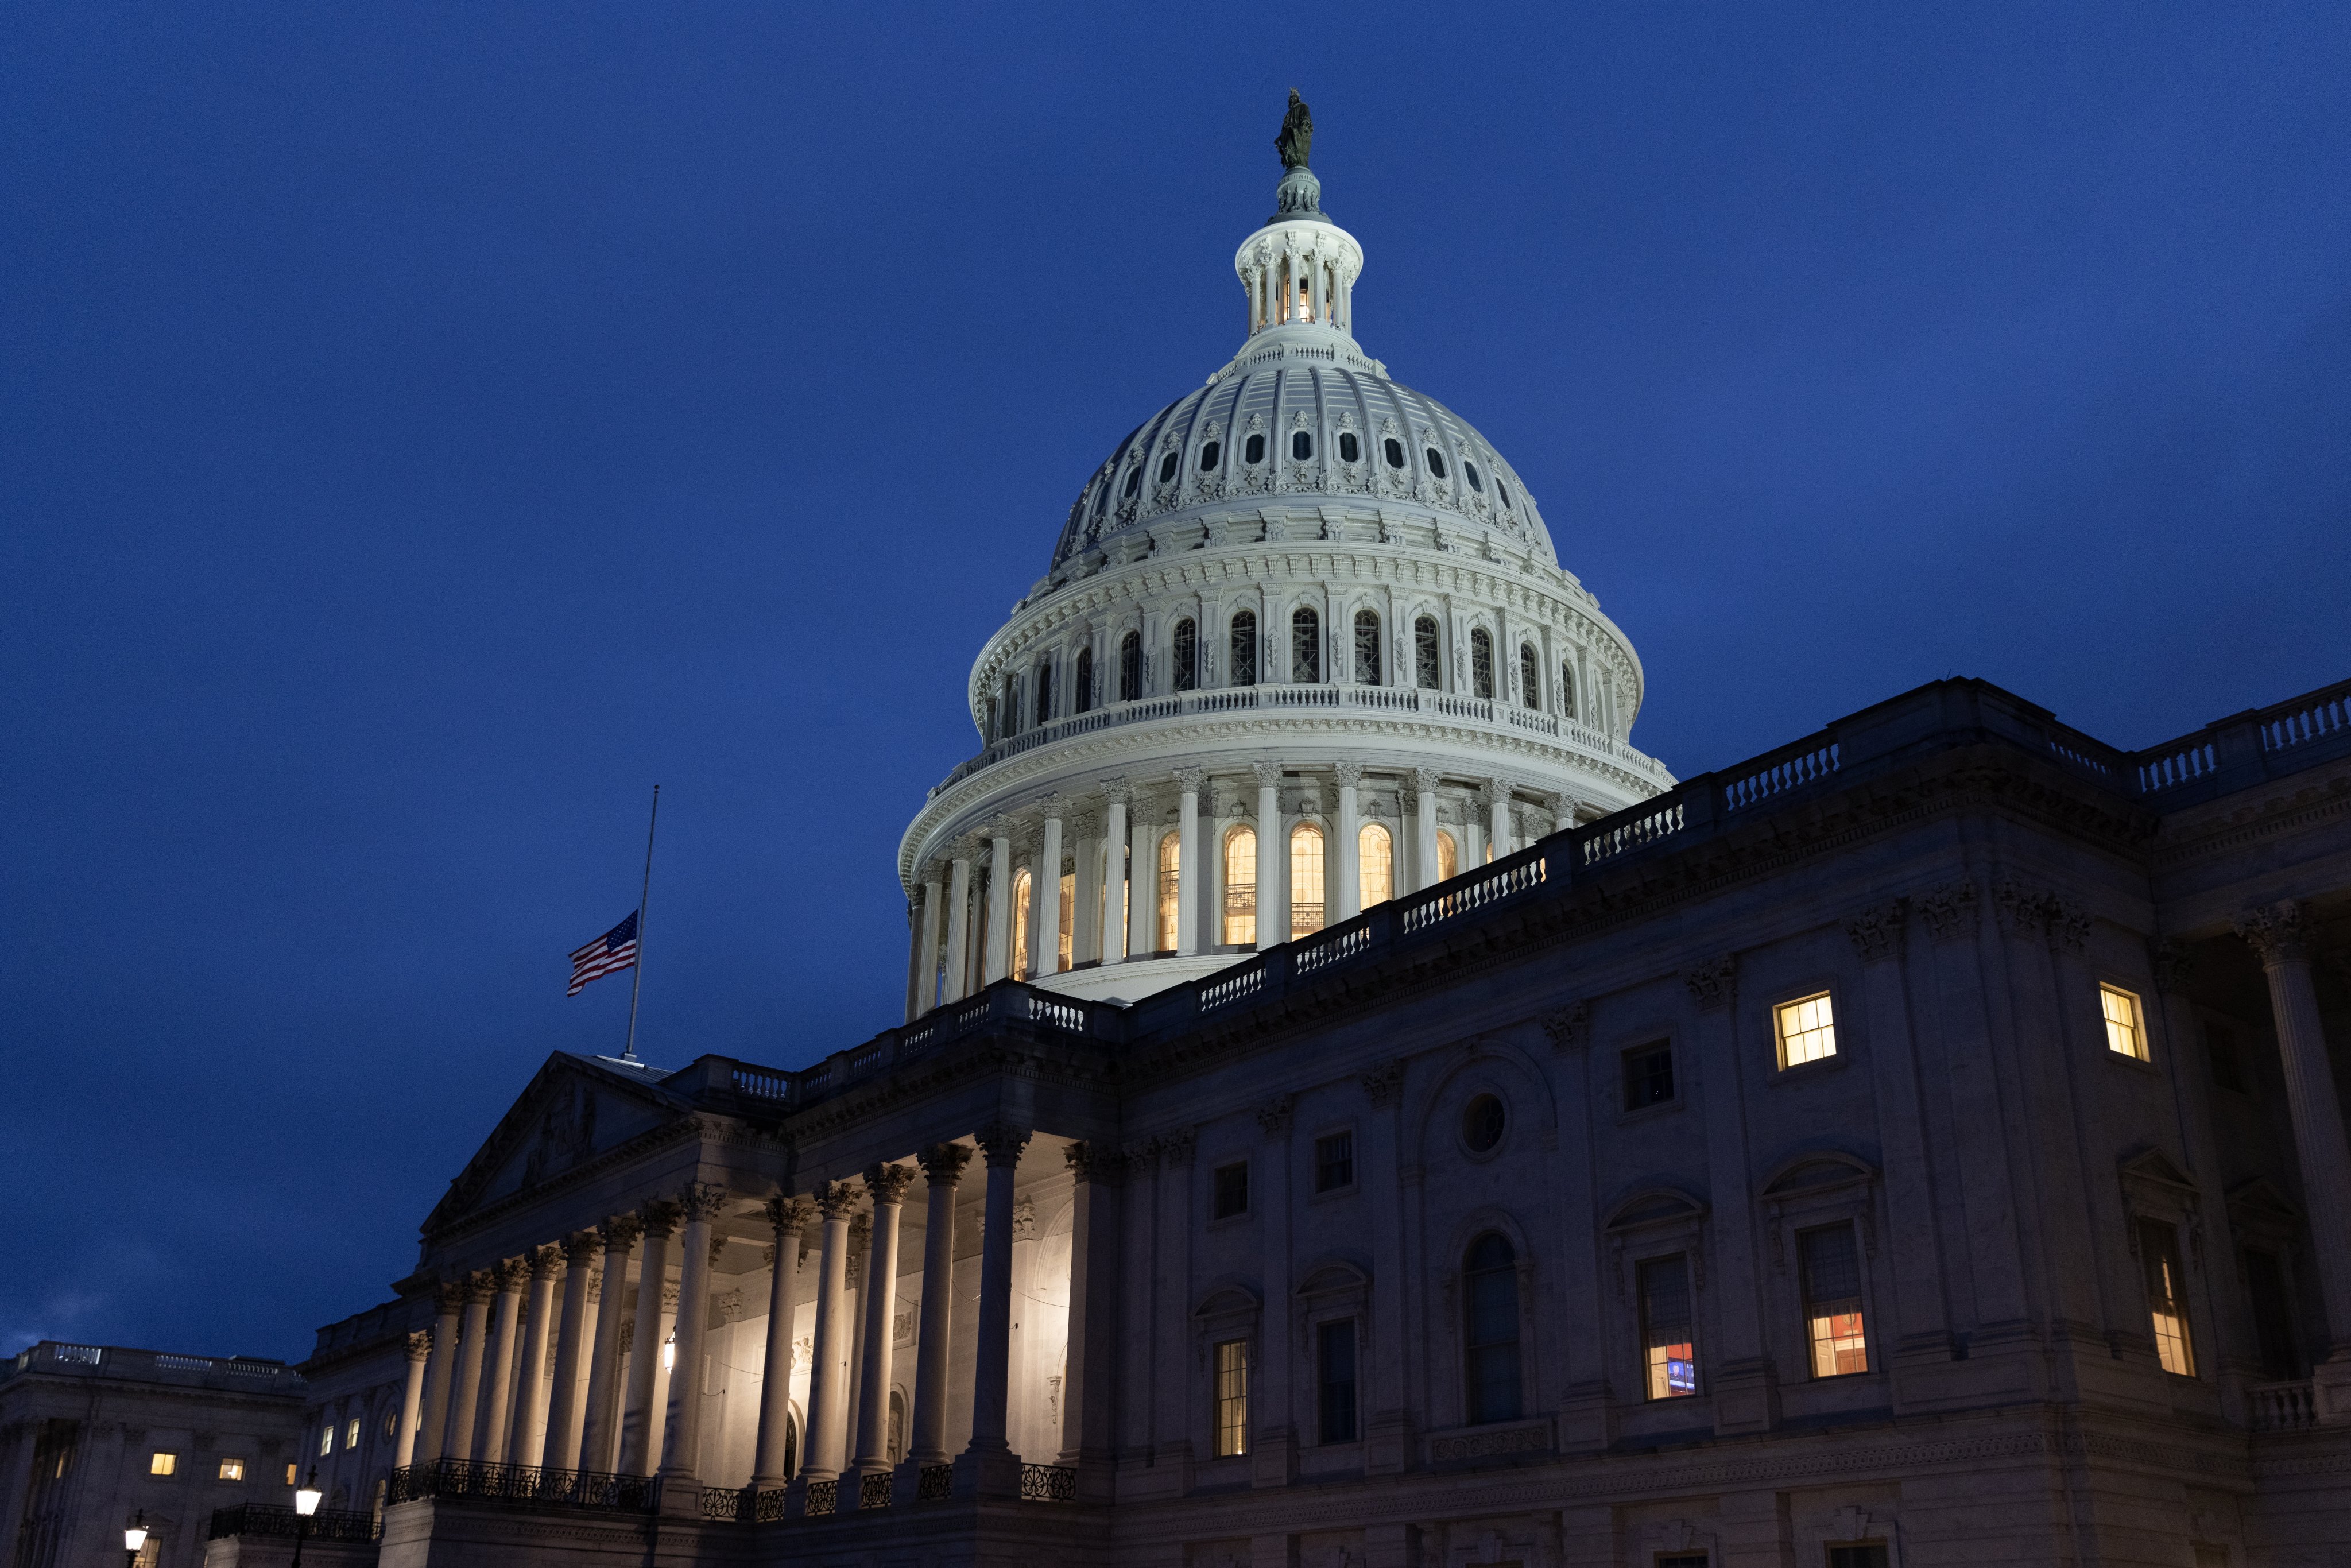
1568,1027
1001,1142
861,1231
702,1201
1117,791
1382,1084
2069,927
1424,782
420,1344
1273,1116
2171,964
834,1200
729,1305
661,1217
788,1215
481,1285
888,1183
1949,910
450,1296
1176,1147
1189,780
1269,773
580,1248
2277,933
1710,982
1097,1164
1876,933
1024,1219
718,1246
1348,774
2022,910
943,1163
546,1262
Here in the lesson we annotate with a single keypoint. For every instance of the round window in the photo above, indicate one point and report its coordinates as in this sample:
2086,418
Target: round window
1393,450
1209,455
1436,464
1301,444
1348,451
1481,1124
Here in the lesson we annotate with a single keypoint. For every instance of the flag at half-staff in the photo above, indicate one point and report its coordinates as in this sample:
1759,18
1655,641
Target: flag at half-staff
608,955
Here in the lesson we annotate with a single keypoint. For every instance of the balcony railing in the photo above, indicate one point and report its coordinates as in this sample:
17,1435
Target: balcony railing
822,1497
523,1486
1049,1483
873,1489
935,1484
276,1520
2283,1406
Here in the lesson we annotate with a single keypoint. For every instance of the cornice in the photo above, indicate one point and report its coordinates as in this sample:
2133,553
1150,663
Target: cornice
689,1124
2316,797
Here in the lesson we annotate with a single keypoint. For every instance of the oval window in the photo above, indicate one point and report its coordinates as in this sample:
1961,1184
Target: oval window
1349,450
1208,456
1301,446
1481,1124
1254,451
1393,451
1436,464
1469,470
1133,480
1168,466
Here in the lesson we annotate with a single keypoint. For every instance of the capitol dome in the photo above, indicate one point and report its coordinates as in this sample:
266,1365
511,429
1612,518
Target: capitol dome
1304,644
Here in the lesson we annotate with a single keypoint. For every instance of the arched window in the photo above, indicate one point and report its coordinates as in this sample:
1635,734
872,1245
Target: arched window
1448,856
1069,901
1187,658
1305,880
897,1440
1305,647
1490,1330
1425,646
1045,692
1167,466
1530,677
1084,696
1375,864
1244,648
1566,689
1021,883
1011,704
1481,669
791,1448
1130,667
1240,887
1171,867
1350,450
1367,648
1301,444
1210,454
1436,463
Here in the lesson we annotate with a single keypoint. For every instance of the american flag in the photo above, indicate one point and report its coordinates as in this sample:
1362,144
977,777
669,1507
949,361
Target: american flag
608,955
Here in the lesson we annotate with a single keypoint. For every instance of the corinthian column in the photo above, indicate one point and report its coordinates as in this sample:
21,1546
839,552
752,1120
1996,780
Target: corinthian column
1001,1144
1143,881
1048,889
1272,859
441,1380
1187,863
522,1444
941,1171
599,1421
1345,859
660,1218
958,957
998,960
787,1217
498,1409
560,1451
1498,814
412,1400
465,1411
926,963
702,1203
1113,857
827,1395
1423,828
887,1184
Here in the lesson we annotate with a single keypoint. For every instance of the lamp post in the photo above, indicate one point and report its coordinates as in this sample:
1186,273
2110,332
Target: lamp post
134,1536
305,1503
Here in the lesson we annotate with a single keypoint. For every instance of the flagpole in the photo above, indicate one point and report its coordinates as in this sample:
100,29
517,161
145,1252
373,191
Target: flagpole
637,981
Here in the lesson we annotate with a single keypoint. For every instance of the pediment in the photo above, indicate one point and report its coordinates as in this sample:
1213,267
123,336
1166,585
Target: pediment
1332,1278
2260,1201
1658,1206
571,1111
2151,1165
1818,1173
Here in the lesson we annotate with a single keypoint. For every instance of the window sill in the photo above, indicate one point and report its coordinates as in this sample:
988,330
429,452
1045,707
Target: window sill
1649,1113
2134,1063
1348,1190
1805,1071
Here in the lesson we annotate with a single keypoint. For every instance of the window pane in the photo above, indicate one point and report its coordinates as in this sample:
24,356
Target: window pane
1393,450
1130,663
1436,463
162,1464
2123,1031
1448,857
1367,648
1529,678
1567,690
1649,1076
1305,647
1335,1359
1807,1030
1083,698
1209,455
1232,1193
2167,1297
1244,649
1334,1161
1669,1352
234,1469
1348,449
1232,1398
1424,654
1021,883
1069,902
1171,854
1490,1329
1301,446
1832,1283
1240,887
1253,450
1305,880
1376,865
1482,663
1187,659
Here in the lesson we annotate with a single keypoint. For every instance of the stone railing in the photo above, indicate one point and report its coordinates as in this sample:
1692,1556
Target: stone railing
276,1520
2257,745
523,1486
2282,1406
56,1356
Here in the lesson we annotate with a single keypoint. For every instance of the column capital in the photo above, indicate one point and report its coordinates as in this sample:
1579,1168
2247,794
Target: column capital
943,1163
1190,780
1349,774
1049,805
510,1274
1569,1027
449,1296
420,1344
1710,982
887,1183
660,1216
931,874
621,1231
1497,791
788,1215
2023,911
580,1247
1001,1143
480,1286
1176,1147
2171,964
1085,824
1877,932
1382,1084
1273,1117
2277,933
1097,1164
1117,791
700,1200
1949,910
1563,810
834,1200
1267,772
1423,780
546,1261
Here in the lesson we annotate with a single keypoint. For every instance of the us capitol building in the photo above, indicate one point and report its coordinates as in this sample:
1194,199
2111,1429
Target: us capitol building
1355,1110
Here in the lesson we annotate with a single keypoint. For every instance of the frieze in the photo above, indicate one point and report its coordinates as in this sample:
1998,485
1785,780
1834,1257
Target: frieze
1485,1442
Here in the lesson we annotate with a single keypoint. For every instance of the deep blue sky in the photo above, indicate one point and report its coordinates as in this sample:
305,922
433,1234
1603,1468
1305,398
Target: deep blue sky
427,428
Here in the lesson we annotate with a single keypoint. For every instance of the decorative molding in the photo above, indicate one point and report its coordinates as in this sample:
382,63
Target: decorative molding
1485,1442
835,1199
1348,774
1877,932
420,1344
1382,1084
1001,1143
701,1202
1267,773
787,1215
887,1183
1176,1147
2170,963
1273,1116
2069,927
1568,1027
579,1248
2023,911
1096,1164
2277,931
1949,910
1189,780
1710,981
943,1163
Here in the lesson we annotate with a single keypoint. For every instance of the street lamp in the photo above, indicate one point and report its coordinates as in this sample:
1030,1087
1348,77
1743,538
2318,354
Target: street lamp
305,1503
134,1536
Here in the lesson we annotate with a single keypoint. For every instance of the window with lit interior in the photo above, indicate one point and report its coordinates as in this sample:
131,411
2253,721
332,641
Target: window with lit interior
1232,1369
1069,920
1171,857
2126,1027
1240,887
1375,864
1305,880
1669,1350
1490,1297
1806,1028
232,1470
2167,1295
1831,1267
1448,856
1021,883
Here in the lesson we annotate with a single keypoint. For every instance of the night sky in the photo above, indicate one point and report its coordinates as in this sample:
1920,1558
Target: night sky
427,428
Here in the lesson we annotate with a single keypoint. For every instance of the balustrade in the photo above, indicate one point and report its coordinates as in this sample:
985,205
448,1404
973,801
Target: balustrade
523,1486
276,1520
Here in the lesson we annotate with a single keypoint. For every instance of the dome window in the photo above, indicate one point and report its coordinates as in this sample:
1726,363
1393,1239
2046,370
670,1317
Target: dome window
1134,482
1530,677
1187,674
1393,450
1254,451
1367,648
1469,472
1301,444
1168,466
1306,647
1436,464
1210,454
1482,670
1101,498
1081,695
1424,653
1503,491
1244,646
1130,667
1350,450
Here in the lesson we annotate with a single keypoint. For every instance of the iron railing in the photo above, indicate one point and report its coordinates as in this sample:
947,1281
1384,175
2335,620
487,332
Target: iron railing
523,1486
873,1489
726,1503
276,1520
768,1505
935,1484
822,1497
1049,1483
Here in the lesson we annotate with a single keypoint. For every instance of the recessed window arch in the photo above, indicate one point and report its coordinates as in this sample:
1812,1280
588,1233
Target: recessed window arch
1101,497
1187,656
1130,667
1566,689
1367,647
1167,465
1503,491
1301,446
1529,676
1375,864
1448,856
1244,648
1011,704
1133,481
1350,449
1305,646
1240,887
1083,698
1305,880
1469,472
1436,463
1253,449
1044,691
1481,664
1393,450
1426,648
1022,884
1211,454
1171,869
1489,1299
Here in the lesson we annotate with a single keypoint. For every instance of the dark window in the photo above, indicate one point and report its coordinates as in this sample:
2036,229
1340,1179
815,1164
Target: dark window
1130,667
1253,450
1648,1076
1012,704
1301,444
1232,1190
1530,677
1209,454
1503,491
1832,1281
1424,654
1436,464
1335,1162
1305,647
1669,1357
1567,690
1133,481
1244,648
1102,495
2272,1316
1334,1374
2220,1051
1082,699
1168,466
1350,450
1044,692
1868,1554
1393,450
1367,648
1482,663
1490,1329
1469,472
1187,656
1481,1123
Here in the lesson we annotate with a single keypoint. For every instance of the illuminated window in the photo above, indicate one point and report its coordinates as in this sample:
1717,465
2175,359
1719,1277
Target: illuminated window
1807,1030
1530,677
1020,884
391,1425
1240,887
1448,856
2167,1296
1244,648
1832,1283
1305,647
1068,917
1668,1349
351,1436
1424,648
1367,648
1490,1279
1375,860
2123,1032
1305,880
326,1440
1482,663
1232,1398
1187,659
290,1471
1335,1377
1171,857
162,1464
1130,661
232,1470
1567,691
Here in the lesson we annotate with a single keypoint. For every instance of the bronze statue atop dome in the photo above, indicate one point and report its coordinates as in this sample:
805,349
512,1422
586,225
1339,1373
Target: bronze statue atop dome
1297,133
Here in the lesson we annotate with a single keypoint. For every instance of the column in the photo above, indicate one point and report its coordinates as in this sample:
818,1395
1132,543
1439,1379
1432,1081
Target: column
886,1185
1046,886
958,926
992,1366
466,1409
1087,1440
598,1420
1143,881
999,961
787,1217
1342,861
1498,816
1423,828
523,1442
926,979
1274,1437
1187,862
412,1399
2278,933
942,1172
658,1218
1272,862
560,1449
913,960
826,1394
702,1203
1113,933
1919,1323
1085,888
511,1277
431,1436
